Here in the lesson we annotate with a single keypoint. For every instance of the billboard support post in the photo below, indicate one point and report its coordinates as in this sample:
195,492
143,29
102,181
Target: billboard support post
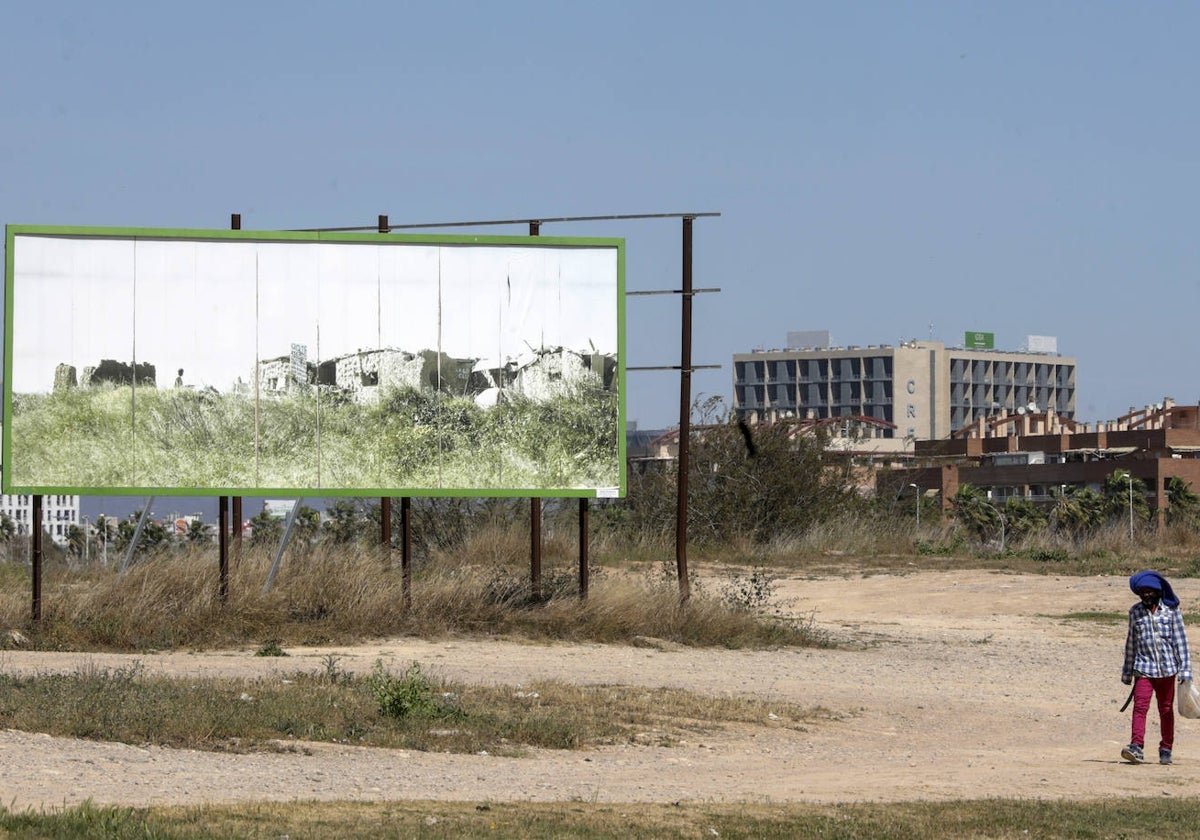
235,524
535,509
235,527
406,550
223,544
685,415
37,558
583,548
385,502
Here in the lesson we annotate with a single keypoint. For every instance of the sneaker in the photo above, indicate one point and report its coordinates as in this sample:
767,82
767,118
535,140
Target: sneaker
1164,757
1133,754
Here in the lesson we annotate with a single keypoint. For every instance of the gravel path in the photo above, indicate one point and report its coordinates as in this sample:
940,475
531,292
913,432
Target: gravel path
951,685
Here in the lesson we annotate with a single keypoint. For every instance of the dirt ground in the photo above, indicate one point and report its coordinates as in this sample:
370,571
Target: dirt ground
950,685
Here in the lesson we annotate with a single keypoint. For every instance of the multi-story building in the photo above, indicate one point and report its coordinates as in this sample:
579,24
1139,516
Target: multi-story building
924,389
59,513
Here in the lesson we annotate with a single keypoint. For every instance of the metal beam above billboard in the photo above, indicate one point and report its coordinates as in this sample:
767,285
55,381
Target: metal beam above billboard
150,361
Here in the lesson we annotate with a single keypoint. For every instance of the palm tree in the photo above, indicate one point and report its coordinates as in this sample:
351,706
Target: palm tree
1023,517
76,539
1184,504
1079,511
197,532
1118,490
973,509
265,528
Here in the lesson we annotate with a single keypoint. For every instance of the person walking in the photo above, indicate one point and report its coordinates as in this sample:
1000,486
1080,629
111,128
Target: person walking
1156,654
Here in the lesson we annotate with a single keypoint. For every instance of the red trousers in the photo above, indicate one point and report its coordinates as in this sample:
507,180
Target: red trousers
1163,689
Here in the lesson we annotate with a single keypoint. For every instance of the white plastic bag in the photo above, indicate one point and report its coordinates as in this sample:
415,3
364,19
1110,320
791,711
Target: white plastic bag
1187,699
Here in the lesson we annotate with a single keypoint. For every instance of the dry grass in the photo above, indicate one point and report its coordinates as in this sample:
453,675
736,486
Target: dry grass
979,819
281,712
331,594
340,595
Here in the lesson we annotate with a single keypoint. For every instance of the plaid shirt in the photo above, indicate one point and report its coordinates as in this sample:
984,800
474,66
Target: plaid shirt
1156,645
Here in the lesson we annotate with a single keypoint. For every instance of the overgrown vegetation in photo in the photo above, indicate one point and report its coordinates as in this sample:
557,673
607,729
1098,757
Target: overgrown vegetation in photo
112,436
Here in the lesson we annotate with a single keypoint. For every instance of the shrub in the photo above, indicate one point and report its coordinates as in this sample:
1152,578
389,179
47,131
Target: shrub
750,592
409,695
1048,555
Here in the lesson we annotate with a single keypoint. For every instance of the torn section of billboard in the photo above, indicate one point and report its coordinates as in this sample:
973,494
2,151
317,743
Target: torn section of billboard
250,363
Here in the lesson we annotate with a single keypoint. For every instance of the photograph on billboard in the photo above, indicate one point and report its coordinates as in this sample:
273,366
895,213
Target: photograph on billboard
251,363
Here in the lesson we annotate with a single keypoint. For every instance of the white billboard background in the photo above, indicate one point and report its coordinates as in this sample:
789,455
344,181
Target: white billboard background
212,307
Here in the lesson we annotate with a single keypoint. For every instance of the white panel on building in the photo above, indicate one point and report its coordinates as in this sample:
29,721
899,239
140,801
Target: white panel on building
808,338
1041,343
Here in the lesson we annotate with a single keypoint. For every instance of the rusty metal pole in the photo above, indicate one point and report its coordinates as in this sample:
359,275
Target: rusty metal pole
235,223
385,502
406,550
235,527
685,415
36,534
535,512
583,549
223,545
385,526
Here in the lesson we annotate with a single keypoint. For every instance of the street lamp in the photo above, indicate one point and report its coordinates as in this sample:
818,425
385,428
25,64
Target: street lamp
102,524
1129,478
918,504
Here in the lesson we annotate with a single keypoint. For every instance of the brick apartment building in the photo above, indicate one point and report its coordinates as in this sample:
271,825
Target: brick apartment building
1036,455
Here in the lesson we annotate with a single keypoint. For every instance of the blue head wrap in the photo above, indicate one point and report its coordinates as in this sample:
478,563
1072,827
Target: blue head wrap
1153,580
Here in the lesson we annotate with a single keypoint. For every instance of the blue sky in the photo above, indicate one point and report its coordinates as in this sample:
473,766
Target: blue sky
883,170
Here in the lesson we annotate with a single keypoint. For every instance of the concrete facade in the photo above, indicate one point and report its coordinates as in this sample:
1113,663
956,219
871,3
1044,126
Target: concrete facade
59,513
926,390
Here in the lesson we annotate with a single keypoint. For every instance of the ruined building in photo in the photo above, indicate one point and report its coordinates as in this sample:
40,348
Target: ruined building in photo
542,374
363,374
108,371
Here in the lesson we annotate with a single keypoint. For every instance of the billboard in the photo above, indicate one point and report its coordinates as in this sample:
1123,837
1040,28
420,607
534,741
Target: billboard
809,338
169,362
980,341
1041,344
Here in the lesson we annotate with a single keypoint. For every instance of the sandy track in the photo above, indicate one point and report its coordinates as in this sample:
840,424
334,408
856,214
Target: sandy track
953,684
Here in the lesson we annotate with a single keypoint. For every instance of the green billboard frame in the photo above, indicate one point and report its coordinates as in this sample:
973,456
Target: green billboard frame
512,384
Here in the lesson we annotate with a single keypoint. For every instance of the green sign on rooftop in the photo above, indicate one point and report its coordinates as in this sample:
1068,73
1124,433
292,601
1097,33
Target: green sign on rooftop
980,341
